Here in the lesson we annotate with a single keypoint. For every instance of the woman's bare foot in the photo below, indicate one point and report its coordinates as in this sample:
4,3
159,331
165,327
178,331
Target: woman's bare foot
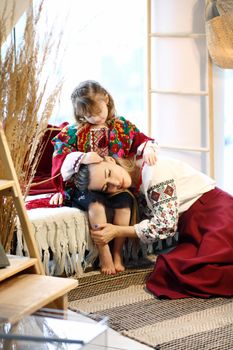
118,262
106,263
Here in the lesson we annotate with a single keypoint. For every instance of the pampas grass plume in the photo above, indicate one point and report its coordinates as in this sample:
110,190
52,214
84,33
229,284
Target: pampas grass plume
25,105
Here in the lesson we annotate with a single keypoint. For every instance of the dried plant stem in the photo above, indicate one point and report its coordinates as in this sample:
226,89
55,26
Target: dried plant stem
23,110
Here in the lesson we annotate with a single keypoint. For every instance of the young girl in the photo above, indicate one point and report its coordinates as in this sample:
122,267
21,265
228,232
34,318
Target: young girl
179,198
98,132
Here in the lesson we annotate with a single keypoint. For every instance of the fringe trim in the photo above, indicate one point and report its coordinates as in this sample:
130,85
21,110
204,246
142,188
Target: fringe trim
62,236
63,239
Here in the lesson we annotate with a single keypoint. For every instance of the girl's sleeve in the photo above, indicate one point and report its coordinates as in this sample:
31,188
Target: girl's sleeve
71,164
64,143
151,144
137,139
163,219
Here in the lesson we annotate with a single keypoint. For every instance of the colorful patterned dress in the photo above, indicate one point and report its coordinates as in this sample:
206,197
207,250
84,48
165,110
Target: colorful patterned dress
123,140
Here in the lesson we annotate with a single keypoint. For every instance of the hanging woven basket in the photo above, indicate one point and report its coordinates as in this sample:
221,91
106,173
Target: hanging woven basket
219,32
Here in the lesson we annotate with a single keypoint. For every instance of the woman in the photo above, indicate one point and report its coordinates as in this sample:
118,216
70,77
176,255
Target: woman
176,197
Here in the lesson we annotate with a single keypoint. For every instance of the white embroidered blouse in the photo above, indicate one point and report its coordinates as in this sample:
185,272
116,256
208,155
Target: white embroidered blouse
170,187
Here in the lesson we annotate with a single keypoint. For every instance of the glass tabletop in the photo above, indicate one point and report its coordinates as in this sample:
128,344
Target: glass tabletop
53,329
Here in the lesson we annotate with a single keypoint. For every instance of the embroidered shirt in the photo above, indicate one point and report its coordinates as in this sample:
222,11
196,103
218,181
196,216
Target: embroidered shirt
169,188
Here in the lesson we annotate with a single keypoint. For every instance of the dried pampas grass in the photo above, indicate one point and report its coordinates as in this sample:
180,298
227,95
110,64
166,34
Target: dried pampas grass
26,103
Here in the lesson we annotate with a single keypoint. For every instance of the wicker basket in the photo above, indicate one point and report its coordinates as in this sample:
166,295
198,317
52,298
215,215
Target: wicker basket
219,33
224,6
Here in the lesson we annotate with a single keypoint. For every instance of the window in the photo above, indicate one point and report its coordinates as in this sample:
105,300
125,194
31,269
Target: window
104,41
228,131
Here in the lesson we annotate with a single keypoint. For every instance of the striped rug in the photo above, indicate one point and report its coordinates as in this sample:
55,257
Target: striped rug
184,324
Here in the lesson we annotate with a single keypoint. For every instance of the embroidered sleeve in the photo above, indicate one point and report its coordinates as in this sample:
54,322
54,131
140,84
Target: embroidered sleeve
71,164
125,138
162,200
64,143
137,138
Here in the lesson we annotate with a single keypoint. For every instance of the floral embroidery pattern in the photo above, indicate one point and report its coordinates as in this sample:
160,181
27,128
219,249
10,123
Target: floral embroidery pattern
122,133
161,221
162,192
65,141
121,137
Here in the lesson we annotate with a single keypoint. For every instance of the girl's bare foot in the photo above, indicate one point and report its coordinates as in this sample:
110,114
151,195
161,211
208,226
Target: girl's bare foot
118,262
106,263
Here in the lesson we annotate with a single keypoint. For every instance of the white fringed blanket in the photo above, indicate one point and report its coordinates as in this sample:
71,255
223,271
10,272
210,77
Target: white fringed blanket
65,245
62,236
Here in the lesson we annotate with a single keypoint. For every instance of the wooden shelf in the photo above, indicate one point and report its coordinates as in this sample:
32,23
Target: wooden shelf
24,288
6,184
182,148
177,35
178,92
17,264
24,294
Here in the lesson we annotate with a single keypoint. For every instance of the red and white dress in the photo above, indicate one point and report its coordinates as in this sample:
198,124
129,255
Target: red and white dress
178,197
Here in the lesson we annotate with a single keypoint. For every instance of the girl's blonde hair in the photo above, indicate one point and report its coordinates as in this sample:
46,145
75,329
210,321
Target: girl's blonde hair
84,100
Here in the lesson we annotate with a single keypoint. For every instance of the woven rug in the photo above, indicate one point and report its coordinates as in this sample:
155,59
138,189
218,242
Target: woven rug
184,324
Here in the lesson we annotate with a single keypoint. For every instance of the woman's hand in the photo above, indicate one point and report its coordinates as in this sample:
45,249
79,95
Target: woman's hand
104,233
56,199
91,157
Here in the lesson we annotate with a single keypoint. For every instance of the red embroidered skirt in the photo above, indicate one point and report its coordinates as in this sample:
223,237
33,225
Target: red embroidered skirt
202,263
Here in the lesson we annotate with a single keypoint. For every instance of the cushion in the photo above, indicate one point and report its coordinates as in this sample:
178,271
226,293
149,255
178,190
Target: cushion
42,182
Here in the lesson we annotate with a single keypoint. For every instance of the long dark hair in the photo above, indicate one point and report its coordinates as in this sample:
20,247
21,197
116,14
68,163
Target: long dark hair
82,177
84,103
123,199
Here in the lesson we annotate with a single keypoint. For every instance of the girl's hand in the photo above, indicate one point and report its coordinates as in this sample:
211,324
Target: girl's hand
56,199
104,233
149,156
91,157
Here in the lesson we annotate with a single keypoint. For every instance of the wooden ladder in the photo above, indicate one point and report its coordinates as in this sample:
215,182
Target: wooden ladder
208,93
24,288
